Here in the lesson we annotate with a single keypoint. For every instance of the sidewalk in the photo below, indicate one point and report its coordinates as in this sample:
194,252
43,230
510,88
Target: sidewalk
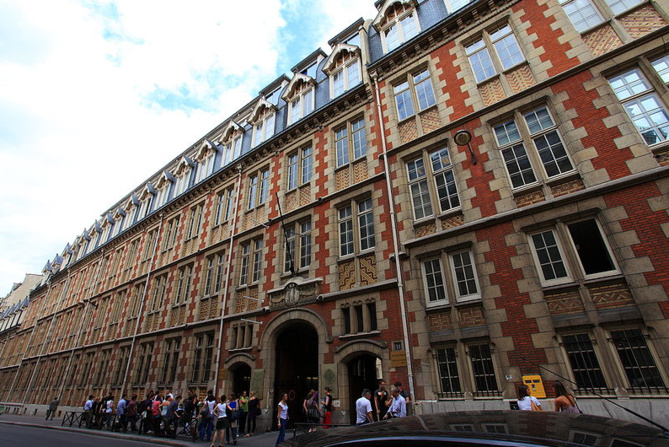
258,440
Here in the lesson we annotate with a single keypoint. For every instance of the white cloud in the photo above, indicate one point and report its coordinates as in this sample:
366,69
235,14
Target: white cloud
97,96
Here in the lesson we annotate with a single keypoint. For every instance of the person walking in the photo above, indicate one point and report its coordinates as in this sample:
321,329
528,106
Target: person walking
310,407
327,407
233,416
121,409
282,418
243,413
564,400
527,402
131,414
254,411
53,406
363,408
222,422
398,405
88,411
109,412
381,396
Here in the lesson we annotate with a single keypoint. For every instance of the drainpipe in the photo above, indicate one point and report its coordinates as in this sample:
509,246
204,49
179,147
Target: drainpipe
227,279
393,222
141,306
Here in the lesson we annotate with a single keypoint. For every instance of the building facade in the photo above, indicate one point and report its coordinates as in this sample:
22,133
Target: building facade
459,196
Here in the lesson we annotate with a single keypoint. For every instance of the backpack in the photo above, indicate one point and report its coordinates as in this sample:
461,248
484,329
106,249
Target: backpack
205,410
233,414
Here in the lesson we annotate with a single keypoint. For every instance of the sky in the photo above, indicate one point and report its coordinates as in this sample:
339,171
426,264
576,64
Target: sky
97,96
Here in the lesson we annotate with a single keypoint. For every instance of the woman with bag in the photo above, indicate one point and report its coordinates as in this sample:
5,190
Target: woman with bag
222,422
310,407
327,408
233,416
527,402
564,401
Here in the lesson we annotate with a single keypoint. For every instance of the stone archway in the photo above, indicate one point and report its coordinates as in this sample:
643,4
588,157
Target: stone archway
240,379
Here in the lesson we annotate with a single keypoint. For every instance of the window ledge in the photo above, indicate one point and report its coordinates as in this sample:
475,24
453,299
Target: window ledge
428,108
244,349
450,213
526,189
515,67
359,334
473,302
492,78
603,23
563,286
572,175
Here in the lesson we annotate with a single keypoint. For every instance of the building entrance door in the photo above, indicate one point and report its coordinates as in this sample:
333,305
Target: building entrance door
296,367
241,379
361,375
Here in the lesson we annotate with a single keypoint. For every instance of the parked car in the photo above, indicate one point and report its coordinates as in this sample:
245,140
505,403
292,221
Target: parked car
490,428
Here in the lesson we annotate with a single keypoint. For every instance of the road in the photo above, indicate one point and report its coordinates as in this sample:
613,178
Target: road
15,436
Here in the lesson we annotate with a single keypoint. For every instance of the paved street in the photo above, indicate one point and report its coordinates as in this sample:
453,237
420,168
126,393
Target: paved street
34,430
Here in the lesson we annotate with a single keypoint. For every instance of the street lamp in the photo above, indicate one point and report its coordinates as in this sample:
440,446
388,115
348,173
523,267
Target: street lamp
464,138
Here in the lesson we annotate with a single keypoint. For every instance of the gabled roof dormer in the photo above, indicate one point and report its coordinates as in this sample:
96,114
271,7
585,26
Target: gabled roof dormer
296,84
389,10
261,108
339,52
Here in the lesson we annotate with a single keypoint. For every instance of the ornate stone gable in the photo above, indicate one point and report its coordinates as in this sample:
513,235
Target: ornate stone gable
296,292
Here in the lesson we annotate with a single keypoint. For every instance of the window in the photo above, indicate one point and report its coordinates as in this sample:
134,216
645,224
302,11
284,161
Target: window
300,166
302,105
258,188
463,279
642,104
159,287
298,246
592,251
171,360
448,373
582,13
232,150
485,381
346,76
202,358
224,202
584,363
351,142
130,259
163,194
242,336
454,5
363,228
637,361
120,366
538,127
214,276
195,221
506,55
359,317
443,183
415,93
264,128
171,234
402,25
206,166
181,184
251,261
183,285
144,364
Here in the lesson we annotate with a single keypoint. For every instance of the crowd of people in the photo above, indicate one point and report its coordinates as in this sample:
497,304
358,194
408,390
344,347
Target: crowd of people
167,415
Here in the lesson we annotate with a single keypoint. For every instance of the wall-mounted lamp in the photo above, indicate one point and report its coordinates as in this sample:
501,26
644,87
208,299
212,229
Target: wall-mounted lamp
463,138
251,298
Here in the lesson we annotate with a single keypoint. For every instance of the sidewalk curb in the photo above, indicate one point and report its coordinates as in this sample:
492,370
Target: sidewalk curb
109,434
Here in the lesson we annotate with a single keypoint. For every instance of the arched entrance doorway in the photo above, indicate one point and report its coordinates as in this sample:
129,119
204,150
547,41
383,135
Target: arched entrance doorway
296,367
361,374
241,379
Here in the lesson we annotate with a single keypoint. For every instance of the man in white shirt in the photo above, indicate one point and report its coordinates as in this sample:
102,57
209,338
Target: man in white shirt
363,408
398,405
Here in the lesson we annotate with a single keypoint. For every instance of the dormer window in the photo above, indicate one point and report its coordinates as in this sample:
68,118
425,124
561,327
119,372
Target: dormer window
300,97
343,67
232,138
206,163
397,23
263,119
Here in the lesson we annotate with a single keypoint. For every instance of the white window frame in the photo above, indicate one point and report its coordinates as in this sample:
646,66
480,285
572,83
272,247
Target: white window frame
426,283
583,14
299,165
345,71
264,128
404,33
258,188
302,104
298,239
568,277
224,202
417,93
353,225
351,145
478,52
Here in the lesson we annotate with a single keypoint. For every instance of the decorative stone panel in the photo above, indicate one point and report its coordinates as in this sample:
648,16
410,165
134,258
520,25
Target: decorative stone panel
530,198
295,293
368,270
492,92
346,275
245,304
178,316
564,302
602,40
204,309
290,201
305,195
567,187
611,296
426,229
429,120
452,222
360,170
642,21
471,317
521,78
190,246
342,179
438,322
408,131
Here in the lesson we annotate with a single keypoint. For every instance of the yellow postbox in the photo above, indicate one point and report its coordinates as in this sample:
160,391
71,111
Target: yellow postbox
536,386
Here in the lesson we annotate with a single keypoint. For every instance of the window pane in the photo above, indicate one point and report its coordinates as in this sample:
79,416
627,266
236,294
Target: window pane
448,371
292,171
306,165
637,360
392,38
550,259
359,138
518,165
345,231
507,133
619,6
650,117
484,372
409,28
465,276
353,73
662,67
553,154
582,14
434,281
629,84
507,47
338,83
591,249
403,100
583,362
423,86
341,143
538,120
482,65
289,263
305,244
366,223
420,195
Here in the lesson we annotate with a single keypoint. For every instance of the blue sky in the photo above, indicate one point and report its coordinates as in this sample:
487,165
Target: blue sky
96,96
